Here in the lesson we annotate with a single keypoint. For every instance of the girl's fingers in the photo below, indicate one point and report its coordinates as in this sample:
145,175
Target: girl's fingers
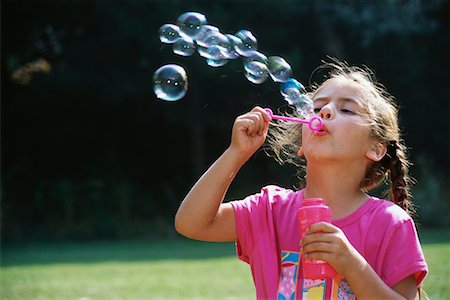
263,113
317,247
322,227
255,122
317,237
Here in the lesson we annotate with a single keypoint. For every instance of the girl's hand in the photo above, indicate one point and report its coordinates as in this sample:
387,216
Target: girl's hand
249,132
324,241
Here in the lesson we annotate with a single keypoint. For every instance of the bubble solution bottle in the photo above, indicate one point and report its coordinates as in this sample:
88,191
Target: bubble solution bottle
314,210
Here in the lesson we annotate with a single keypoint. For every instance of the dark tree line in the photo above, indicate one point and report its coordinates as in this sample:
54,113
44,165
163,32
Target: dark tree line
89,152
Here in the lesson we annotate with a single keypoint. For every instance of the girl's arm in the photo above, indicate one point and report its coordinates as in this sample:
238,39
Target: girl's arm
327,242
202,215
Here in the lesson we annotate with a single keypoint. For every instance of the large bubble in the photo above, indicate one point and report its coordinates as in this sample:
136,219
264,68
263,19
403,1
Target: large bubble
215,56
204,33
249,42
256,72
289,84
184,46
279,69
191,23
170,82
233,42
255,56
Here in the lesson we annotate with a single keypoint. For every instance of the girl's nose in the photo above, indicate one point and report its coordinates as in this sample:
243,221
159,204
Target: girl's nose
326,113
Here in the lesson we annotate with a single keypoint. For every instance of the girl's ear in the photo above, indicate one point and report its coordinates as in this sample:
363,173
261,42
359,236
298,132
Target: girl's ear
300,152
376,152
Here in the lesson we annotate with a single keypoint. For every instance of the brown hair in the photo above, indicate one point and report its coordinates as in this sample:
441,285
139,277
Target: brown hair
284,139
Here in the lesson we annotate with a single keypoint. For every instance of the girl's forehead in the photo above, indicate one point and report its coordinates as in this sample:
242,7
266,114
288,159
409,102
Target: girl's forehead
342,88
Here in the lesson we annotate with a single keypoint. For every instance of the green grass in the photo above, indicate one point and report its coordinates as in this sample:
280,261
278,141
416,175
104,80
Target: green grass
124,270
175,269
436,246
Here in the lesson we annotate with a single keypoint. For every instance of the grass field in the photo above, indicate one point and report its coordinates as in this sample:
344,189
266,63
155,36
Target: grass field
174,269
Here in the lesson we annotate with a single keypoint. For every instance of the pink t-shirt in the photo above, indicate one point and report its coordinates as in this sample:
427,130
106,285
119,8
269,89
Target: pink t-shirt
268,239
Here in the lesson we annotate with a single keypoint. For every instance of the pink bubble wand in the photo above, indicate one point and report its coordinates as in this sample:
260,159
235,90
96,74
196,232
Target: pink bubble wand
315,123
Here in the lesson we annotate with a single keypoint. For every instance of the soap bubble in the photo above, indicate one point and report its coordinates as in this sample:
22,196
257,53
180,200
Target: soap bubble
191,23
255,56
169,33
291,83
233,42
170,82
291,95
205,31
202,51
214,52
215,57
184,46
215,38
216,62
279,69
256,72
249,42
302,102
305,107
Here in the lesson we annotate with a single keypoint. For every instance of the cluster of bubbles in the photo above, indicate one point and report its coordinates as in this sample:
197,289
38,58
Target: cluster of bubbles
191,34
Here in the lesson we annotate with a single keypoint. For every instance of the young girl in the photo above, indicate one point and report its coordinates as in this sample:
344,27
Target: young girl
371,243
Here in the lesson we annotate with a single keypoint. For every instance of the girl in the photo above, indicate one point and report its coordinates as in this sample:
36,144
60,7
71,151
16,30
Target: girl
372,243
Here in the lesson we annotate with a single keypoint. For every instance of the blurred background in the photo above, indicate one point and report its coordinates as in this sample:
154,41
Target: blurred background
88,151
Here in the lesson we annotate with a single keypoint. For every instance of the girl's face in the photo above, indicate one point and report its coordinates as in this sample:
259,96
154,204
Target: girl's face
341,103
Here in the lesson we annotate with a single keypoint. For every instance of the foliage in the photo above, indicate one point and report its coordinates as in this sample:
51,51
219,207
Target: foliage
431,195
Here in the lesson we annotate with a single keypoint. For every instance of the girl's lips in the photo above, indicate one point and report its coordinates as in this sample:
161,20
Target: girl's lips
323,131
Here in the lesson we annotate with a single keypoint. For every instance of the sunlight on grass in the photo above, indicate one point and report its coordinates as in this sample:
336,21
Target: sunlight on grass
436,246
139,280
120,270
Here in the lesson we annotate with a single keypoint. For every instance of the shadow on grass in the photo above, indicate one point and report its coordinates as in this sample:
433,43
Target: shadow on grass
139,251
112,251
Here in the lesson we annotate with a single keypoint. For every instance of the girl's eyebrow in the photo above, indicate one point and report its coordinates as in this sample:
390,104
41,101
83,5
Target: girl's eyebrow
342,99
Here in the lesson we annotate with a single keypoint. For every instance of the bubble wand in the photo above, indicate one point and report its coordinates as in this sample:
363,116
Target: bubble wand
314,123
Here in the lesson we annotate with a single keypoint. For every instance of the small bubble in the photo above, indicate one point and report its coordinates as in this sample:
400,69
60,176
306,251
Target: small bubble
169,33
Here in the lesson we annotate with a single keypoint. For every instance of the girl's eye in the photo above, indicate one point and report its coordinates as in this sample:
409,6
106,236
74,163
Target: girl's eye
347,111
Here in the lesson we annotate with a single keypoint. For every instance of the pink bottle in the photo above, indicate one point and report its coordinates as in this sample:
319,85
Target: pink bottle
314,210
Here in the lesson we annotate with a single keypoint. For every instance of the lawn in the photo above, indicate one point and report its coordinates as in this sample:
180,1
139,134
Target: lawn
174,269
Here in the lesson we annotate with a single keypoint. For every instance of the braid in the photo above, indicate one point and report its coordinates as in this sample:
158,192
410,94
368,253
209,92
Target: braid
394,166
398,166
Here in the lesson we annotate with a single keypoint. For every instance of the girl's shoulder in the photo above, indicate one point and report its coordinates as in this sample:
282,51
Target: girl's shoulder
388,210
276,194
376,211
272,195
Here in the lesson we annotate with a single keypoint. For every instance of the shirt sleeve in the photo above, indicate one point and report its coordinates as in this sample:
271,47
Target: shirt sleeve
403,256
253,219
